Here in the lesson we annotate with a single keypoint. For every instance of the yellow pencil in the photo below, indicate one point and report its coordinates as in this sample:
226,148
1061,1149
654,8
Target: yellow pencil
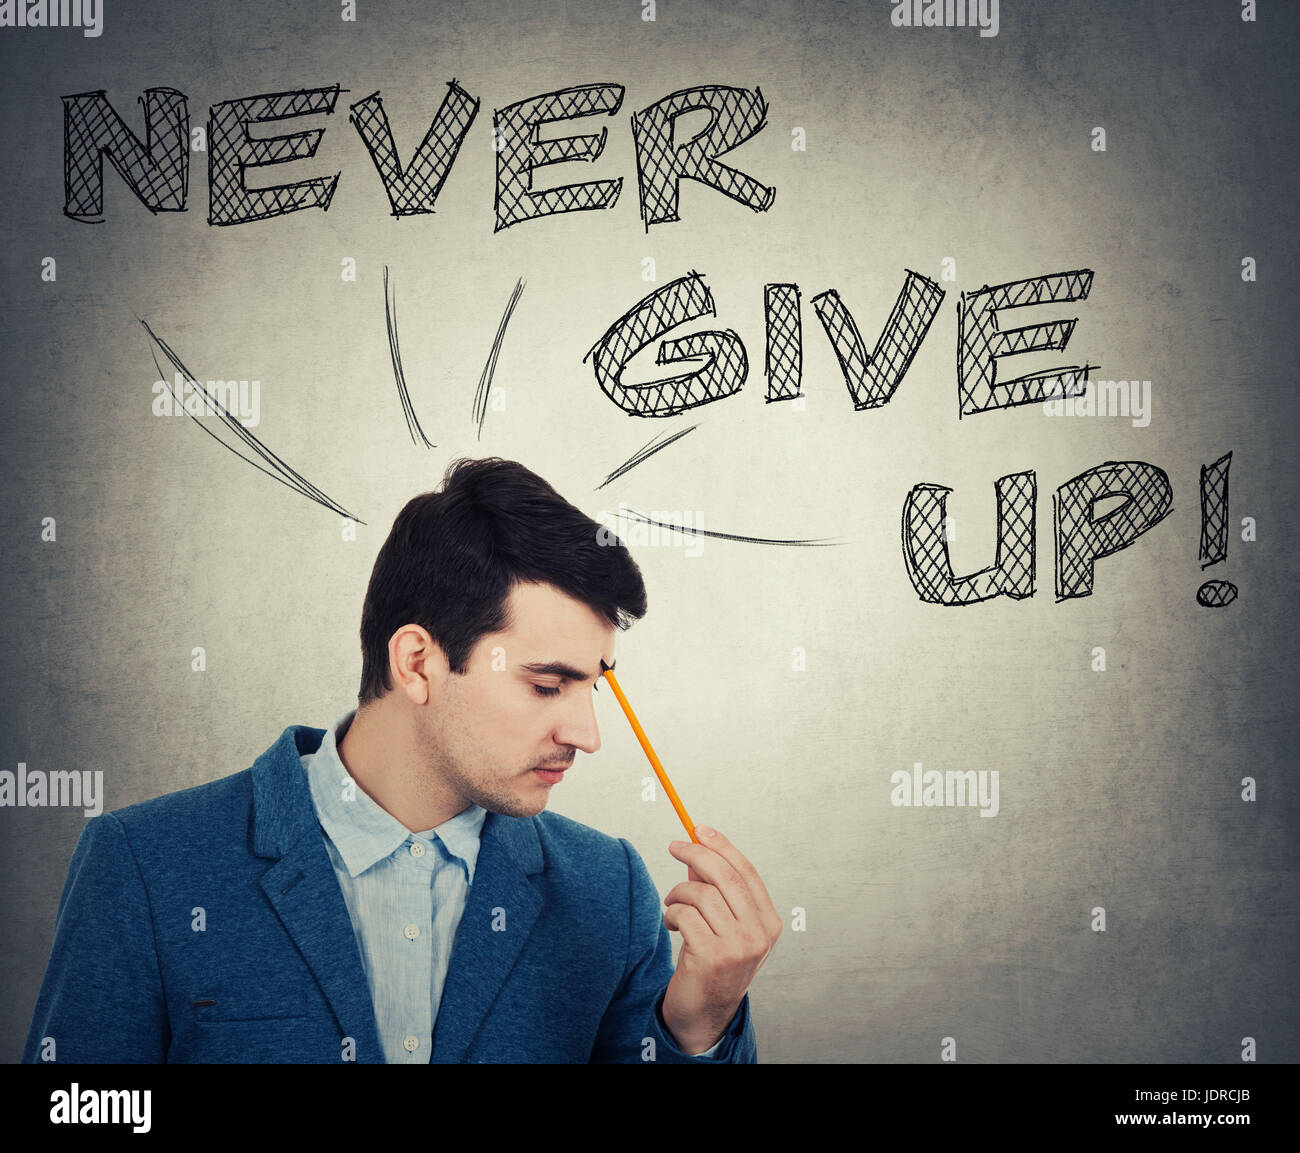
649,752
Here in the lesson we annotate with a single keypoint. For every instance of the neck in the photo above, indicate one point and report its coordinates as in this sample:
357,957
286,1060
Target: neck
382,752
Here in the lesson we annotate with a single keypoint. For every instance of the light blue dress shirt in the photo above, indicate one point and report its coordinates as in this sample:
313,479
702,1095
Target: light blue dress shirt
405,893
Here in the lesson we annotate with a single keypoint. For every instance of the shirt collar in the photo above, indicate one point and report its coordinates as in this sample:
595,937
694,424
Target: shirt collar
364,832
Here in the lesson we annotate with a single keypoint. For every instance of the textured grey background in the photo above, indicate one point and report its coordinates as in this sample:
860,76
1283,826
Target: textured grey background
1118,789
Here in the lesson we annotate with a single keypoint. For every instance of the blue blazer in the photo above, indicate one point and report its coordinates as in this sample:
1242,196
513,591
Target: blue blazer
275,974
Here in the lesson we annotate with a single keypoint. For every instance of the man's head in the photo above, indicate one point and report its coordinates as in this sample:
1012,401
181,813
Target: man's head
489,610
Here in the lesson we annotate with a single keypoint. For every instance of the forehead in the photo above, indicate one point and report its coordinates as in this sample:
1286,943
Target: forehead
542,617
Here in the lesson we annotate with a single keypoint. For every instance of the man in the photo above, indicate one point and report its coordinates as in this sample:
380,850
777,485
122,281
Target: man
392,889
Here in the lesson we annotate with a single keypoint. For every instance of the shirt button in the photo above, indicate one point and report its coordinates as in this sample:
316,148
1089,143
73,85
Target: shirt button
412,1044
412,931
417,849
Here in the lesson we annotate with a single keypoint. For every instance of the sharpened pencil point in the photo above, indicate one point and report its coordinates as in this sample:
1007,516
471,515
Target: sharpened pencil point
603,666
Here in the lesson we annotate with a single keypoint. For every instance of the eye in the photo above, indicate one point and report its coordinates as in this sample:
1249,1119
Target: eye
543,691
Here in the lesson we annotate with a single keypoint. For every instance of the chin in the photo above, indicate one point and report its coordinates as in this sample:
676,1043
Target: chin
532,808
516,806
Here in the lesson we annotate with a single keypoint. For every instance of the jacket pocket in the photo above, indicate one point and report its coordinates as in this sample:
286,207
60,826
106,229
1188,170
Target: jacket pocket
248,1004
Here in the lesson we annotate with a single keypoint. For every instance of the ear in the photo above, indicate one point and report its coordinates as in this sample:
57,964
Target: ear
417,665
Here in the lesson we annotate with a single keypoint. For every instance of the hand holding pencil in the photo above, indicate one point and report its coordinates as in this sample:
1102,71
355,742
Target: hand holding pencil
724,914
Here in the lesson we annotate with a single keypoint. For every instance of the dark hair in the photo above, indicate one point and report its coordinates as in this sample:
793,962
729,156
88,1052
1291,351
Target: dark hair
453,555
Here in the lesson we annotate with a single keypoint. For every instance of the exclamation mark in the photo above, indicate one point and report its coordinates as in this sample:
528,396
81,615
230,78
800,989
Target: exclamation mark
1214,531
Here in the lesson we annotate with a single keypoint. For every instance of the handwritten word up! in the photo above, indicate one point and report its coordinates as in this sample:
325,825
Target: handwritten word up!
156,168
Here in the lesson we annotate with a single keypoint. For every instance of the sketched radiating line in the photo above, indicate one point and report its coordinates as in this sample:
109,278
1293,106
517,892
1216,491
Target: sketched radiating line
279,471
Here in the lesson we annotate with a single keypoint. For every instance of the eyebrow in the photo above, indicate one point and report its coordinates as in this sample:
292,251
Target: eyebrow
559,669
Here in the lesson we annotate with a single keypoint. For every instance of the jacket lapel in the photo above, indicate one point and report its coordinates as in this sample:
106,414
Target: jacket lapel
303,890
500,913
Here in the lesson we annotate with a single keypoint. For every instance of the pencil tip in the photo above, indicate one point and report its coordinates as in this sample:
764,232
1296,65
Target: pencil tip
603,666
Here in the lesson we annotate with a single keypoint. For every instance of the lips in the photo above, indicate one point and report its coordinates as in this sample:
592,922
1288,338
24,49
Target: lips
550,776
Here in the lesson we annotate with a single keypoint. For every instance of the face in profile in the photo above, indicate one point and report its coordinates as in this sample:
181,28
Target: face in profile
502,734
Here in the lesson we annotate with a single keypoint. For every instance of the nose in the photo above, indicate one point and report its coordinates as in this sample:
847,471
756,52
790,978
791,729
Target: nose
579,728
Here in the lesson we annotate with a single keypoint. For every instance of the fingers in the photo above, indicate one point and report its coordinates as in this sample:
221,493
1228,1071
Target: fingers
690,922
719,844
707,901
717,861
720,870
